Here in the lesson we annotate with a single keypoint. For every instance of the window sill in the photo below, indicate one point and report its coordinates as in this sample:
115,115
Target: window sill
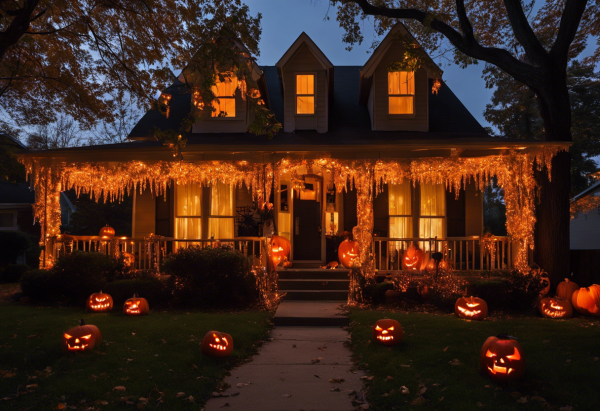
401,116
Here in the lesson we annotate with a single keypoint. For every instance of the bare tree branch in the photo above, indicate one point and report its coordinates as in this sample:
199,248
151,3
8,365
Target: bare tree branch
524,33
569,23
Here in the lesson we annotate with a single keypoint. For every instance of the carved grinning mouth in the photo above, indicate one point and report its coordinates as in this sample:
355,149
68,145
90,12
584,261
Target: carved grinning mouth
100,306
385,338
218,346
497,369
469,313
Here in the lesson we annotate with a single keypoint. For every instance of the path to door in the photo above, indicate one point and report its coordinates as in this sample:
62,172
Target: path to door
293,370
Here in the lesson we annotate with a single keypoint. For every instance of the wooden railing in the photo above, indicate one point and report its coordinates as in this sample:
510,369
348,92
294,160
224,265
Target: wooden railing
147,253
464,253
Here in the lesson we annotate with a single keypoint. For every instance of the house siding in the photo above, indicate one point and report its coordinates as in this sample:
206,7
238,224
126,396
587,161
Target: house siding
144,214
585,230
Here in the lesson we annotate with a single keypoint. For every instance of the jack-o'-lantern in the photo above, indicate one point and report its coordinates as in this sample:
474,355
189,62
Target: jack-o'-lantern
555,308
546,283
100,302
502,358
587,300
412,259
217,344
348,252
332,265
136,306
107,233
81,338
388,332
472,308
280,249
565,289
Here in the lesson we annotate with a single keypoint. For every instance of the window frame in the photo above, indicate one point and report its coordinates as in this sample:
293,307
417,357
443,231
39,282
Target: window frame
314,95
432,217
210,216
388,95
410,216
15,225
233,97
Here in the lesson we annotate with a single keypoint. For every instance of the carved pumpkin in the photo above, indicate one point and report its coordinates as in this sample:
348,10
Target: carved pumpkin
587,300
287,264
472,308
502,358
412,259
388,332
217,344
348,252
332,265
81,338
99,302
546,282
128,259
555,308
107,233
136,306
280,249
565,289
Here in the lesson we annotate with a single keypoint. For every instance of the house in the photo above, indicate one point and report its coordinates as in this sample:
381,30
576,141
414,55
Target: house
585,224
391,156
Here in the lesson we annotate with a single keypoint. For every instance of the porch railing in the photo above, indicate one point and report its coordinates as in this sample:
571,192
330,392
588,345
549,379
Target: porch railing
464,253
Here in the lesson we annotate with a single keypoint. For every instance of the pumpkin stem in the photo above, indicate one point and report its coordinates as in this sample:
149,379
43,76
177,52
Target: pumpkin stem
506,337
81,322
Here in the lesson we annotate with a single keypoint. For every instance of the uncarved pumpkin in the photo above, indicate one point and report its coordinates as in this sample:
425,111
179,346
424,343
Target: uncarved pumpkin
136,306
81,338
348,252
565,289
587,300
99,302
555,308
471,308
388,332
217,344
280,249
502,358
412,259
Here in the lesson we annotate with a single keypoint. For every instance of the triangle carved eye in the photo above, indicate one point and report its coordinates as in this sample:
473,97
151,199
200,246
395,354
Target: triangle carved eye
67,336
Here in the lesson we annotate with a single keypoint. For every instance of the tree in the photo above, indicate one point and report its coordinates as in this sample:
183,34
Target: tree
125,116
500,34
64,132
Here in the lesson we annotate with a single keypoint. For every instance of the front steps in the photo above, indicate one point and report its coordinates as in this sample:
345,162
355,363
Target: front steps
314,284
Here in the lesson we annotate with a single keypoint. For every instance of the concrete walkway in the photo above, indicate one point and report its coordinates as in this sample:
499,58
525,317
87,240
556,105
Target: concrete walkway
293,372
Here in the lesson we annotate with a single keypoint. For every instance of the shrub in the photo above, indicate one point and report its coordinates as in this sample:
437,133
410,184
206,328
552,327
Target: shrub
211,277
152,289
12,245
494,292
12,273
40,285
524,288
374,293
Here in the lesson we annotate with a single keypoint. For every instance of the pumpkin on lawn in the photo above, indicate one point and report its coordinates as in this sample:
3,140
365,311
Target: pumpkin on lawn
565,289
412,259
388,332
348,252
555,308
81,338
136,306
217,344
587,300
502,358
107,233
99,302
472,308
280,249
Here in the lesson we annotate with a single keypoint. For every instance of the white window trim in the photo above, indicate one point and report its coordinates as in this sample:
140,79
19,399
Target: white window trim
388,95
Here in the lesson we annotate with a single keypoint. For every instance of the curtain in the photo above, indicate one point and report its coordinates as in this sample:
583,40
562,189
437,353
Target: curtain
221,204
433,204
188,203
399,199
401,82
305,84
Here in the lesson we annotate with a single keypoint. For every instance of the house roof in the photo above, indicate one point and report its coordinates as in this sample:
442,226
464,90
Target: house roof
16,193
304,39
587,191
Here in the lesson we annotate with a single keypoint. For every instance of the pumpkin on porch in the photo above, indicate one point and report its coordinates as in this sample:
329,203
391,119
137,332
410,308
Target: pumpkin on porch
472,308
587,300
412,259
280,249
502,358
555,308
565,289
99,302
217,344
81,338
107,233
287,264
136,306
348,252
388,332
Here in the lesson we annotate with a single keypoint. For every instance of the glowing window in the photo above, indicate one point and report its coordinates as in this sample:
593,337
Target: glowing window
224,91
401,92
305,94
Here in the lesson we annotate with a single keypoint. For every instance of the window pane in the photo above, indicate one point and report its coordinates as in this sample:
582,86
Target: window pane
407,82
401,105
433,200
220,228
283,225
224,107
394,82
399,199
305,105
225,88
188,228
189,200
431,227
305,84
401,227
221,199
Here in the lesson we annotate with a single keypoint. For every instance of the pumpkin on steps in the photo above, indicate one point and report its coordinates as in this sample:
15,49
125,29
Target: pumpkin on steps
280,249
412,259
587,300
347,252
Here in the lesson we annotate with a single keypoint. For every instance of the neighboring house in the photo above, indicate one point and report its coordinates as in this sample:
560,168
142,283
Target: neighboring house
360,147
585,226
16,200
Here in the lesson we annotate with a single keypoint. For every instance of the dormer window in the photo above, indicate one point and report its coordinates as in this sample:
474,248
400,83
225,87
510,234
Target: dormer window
224,91
401,92
305,94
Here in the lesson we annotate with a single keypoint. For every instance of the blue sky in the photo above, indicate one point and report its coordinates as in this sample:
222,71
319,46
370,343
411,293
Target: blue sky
284,20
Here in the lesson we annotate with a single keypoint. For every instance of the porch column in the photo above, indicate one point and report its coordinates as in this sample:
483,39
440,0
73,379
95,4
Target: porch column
363,232
46,210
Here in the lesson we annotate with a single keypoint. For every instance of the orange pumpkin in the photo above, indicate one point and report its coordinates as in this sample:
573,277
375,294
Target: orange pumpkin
412,259
217,344
565,289
472,308
81,338
287,264
348,252
136,306
587,300
99,302
502,358
107,233
280,249
388,332
555,308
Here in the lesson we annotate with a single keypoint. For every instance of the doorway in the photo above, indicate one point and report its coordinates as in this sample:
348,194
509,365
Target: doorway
307,229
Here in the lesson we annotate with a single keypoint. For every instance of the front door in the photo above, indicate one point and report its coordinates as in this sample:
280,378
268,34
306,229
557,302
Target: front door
307,229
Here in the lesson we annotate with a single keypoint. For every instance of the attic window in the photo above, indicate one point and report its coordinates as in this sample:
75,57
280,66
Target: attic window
401,92
224,91
305,94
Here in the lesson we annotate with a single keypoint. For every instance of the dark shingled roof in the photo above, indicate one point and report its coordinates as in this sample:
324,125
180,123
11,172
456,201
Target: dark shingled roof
16,193
349,121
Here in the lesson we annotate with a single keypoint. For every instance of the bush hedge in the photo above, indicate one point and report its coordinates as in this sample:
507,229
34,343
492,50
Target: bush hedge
39,285
152,289
12,272
14,244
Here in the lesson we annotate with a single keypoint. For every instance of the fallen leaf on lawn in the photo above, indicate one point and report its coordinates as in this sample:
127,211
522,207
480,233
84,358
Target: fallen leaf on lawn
389,377
336,380
142,399
133,333
538,398
241,384
216,394
422,389
369,378
31,386
364,406
61,406
336,389
522,400
8,374
404,390
385,395
130,359
566,408
446,349
287,395
48,369
119,388
102,402
515,394
162,340
455,361
479,404
180,394
124,378
418,401
441,399
405,365
487,386
190,398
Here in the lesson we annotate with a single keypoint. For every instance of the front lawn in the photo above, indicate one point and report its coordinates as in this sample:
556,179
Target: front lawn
155,357
439,358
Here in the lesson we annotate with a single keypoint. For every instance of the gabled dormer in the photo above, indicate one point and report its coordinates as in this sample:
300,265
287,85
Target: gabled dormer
397,100
306,75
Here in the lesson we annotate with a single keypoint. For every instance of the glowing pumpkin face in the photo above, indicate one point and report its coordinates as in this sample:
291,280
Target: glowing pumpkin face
280,249
136,306
502,358
107,233
471,308
555,308
348,252
81,338
412,259
99,302
388,332
217,344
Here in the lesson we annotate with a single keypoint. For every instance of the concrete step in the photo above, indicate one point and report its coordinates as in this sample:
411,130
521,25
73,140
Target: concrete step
310,314
319,274
314,284
308,264
329,295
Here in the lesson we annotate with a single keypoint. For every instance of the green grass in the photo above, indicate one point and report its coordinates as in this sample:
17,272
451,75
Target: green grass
132,354
562,363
